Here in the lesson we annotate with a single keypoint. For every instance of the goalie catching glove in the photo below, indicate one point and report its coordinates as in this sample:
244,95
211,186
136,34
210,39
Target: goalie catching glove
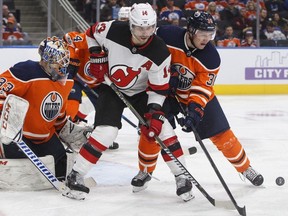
75,135
155,119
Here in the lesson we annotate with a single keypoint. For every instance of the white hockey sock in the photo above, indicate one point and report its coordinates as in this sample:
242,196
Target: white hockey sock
82,166
175,169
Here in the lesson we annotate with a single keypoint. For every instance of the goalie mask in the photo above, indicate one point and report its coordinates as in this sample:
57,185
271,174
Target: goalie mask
203,24
54,52
142,21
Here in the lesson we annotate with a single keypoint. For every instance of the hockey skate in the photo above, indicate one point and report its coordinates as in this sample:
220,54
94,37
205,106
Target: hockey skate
140,181
75,188
114,145
253,176
184,187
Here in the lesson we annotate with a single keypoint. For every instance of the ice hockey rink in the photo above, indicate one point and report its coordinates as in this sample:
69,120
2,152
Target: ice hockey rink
259,122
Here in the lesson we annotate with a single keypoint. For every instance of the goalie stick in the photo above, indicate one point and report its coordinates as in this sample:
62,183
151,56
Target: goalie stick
216,203
241,210
83,26
12,120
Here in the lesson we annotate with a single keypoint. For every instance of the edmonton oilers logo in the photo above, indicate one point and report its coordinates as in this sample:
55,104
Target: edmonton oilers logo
51,106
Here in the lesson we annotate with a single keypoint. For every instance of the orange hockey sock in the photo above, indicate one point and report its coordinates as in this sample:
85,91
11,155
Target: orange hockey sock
147,154
228,144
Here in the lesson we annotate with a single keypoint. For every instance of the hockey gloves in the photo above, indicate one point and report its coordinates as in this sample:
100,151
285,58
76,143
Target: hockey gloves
75,135
173,82
73,67
99,65
193,117
155,120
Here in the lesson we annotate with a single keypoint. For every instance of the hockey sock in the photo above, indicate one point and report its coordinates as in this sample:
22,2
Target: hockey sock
176,149
147,154
228,144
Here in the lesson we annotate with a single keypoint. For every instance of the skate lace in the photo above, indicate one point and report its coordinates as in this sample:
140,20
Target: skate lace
180,182
250,174
77,178
142,175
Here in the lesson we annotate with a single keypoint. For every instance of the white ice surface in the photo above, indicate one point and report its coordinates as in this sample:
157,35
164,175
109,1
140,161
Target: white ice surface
259,122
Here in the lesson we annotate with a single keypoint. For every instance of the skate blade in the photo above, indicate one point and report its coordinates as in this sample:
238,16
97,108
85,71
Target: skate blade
138,189
72,194
187,196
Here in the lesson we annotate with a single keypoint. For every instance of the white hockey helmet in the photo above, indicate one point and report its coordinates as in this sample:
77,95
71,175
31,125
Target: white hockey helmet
54,51
143,15
123,13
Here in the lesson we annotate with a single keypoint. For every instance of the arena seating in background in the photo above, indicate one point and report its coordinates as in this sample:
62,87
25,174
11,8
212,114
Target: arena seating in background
273,43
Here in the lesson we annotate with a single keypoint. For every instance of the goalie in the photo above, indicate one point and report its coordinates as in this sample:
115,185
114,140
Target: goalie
45,86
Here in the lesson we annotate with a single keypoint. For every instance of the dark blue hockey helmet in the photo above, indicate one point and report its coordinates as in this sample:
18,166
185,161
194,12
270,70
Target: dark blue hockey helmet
200,20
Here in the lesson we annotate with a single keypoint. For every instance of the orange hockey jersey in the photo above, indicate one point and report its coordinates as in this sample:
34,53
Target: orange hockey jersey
197,69
79,50
47,99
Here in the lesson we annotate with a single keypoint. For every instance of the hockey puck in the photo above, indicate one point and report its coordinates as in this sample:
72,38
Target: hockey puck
192,150
280,181
115,145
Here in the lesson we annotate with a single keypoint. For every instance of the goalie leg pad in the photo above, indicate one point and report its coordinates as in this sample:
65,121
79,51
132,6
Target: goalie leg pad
2,155
22,175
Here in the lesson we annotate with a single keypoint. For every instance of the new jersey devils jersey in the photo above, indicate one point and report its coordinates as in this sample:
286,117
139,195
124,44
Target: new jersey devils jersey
197,69
47,99
79,50
133,69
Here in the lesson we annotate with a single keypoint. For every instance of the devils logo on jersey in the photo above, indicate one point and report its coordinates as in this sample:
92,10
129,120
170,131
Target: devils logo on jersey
51,106
123,76
185,76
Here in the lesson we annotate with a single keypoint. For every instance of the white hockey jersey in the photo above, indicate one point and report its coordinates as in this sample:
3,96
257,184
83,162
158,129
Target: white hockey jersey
133,69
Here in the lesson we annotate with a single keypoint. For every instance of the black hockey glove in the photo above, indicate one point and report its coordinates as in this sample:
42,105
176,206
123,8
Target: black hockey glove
73,67
194,115
173,82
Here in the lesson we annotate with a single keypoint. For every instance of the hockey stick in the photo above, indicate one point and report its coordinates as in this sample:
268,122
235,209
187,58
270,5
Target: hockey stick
84,25
40,166
85,85
241,210
12,120
215,203
11,124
